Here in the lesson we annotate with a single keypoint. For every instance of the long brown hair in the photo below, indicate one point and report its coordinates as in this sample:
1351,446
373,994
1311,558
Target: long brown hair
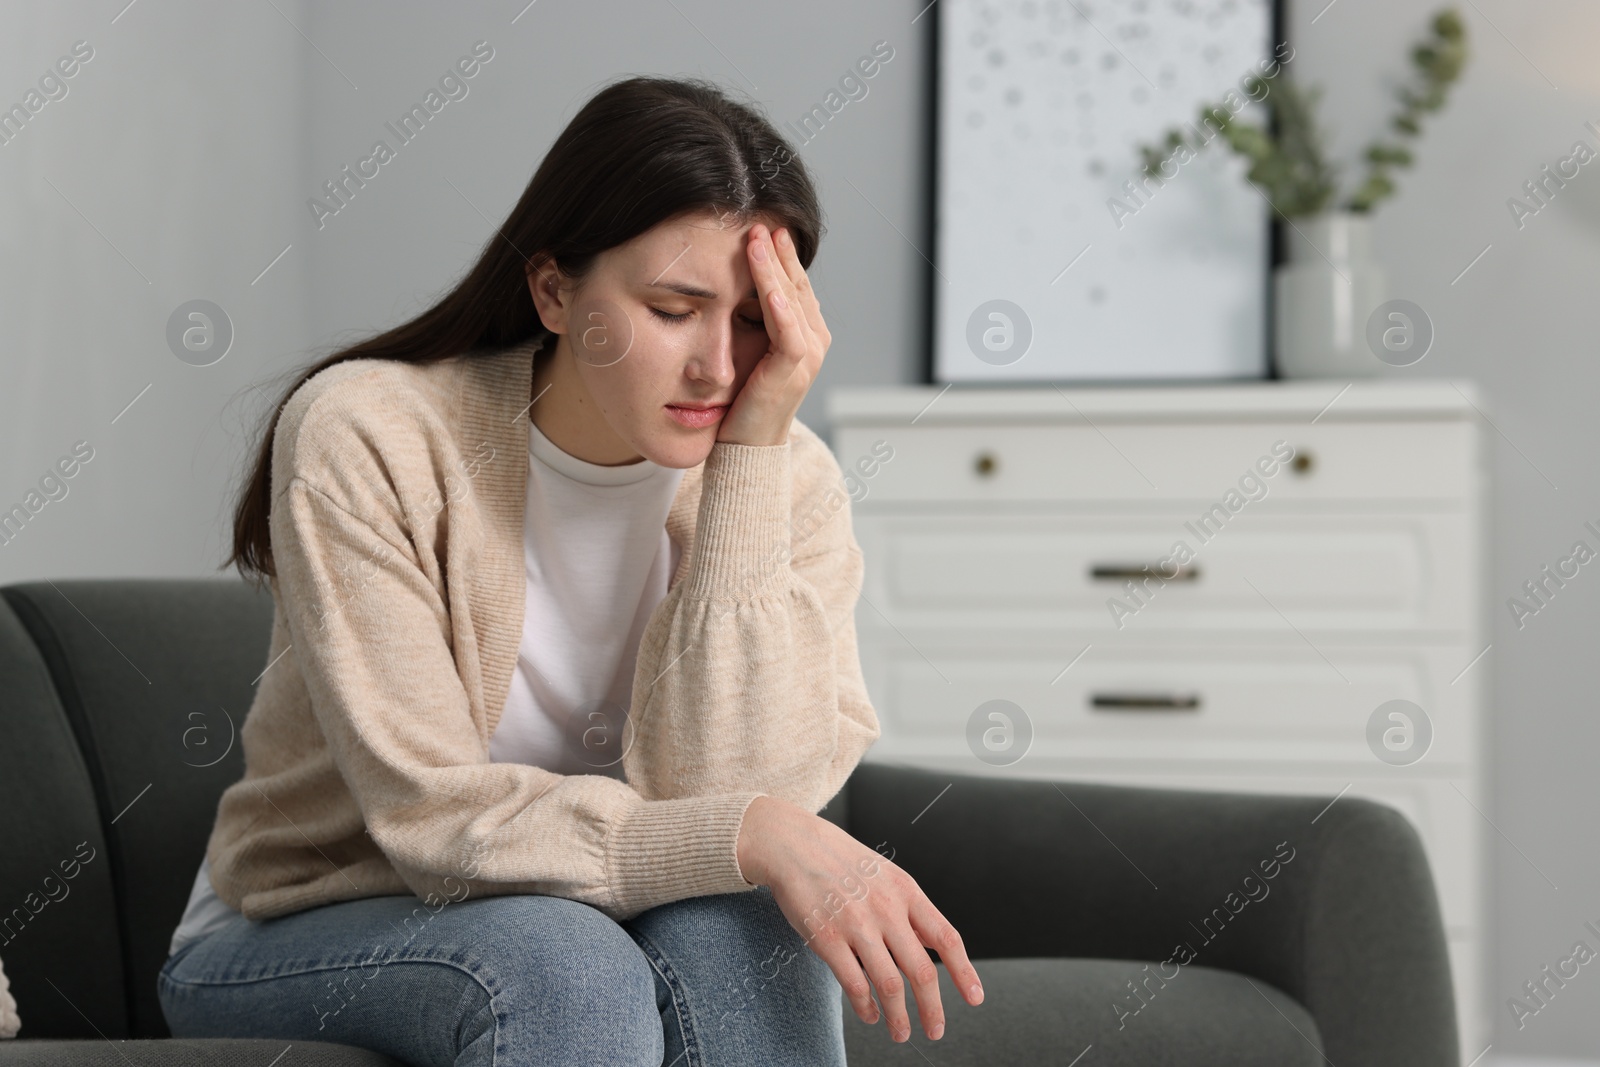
641,151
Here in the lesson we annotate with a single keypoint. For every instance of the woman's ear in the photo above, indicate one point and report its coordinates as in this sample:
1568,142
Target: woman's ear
544,285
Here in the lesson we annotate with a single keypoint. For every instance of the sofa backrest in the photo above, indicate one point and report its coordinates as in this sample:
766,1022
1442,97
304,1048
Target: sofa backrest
121,708
58,933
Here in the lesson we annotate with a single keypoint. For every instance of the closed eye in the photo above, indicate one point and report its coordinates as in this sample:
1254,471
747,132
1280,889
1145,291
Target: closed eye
759,324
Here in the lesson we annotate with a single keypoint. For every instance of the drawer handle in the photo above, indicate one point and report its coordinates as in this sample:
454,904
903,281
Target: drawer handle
985,464
1122,572
1146,701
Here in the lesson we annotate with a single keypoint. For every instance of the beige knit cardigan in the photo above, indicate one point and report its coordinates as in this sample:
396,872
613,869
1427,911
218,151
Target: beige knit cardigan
398,496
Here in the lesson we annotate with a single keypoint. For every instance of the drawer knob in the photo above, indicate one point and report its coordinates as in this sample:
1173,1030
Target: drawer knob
1302,462
986,464
1145,701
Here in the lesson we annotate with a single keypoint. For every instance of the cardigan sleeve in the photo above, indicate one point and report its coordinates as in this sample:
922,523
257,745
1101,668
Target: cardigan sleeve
372,636
748,676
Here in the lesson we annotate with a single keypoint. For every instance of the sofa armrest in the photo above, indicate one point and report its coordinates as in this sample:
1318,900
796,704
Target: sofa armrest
1348,922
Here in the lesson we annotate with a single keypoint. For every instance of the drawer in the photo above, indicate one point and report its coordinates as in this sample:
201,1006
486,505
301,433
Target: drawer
1220,705
1263,571
1196,463
1452,832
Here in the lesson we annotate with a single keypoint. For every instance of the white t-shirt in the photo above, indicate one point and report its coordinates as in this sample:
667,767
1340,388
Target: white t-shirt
598,560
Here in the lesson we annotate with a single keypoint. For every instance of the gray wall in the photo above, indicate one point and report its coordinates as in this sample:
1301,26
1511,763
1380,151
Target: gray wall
180,162
169,171
1521,323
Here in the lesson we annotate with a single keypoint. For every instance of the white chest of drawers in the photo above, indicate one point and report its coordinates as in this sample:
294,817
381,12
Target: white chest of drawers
1164,600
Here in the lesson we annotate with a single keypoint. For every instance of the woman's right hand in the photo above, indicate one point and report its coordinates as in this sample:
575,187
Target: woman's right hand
804,859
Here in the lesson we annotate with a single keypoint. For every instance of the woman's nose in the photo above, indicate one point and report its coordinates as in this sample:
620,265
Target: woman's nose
715,361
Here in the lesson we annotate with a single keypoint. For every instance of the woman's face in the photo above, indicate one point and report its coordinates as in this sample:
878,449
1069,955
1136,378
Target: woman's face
670,318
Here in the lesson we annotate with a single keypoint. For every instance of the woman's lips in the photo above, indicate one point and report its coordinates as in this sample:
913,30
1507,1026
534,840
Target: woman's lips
697,418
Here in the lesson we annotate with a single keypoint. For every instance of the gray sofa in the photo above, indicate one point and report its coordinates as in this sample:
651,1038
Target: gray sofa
1071,898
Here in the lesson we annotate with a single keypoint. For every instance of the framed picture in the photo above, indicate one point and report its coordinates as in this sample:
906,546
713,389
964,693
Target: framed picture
1057,257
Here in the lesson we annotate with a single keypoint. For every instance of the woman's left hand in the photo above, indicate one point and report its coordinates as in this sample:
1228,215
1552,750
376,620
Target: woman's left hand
770,397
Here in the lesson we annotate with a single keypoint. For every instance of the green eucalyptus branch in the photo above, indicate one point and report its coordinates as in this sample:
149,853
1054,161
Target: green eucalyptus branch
1438,63
1290,166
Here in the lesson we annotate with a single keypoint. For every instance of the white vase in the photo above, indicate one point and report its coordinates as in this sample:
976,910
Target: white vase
1323,297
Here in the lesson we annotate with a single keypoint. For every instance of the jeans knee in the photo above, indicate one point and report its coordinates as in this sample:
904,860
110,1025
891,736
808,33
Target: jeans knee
574,983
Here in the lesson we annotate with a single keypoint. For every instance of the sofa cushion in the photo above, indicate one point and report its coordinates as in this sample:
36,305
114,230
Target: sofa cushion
1052,1010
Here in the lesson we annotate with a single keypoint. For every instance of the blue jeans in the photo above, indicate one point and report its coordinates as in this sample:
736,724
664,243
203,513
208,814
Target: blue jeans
718,981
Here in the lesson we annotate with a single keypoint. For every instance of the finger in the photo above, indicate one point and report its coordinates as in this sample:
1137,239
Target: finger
799,292
831,948
886,978
799,280
782,275
937,933
792,339
913,959
794,333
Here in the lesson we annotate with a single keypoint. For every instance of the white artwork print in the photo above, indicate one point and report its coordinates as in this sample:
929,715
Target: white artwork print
1050,265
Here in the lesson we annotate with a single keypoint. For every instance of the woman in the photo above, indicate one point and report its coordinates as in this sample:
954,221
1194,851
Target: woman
564,646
